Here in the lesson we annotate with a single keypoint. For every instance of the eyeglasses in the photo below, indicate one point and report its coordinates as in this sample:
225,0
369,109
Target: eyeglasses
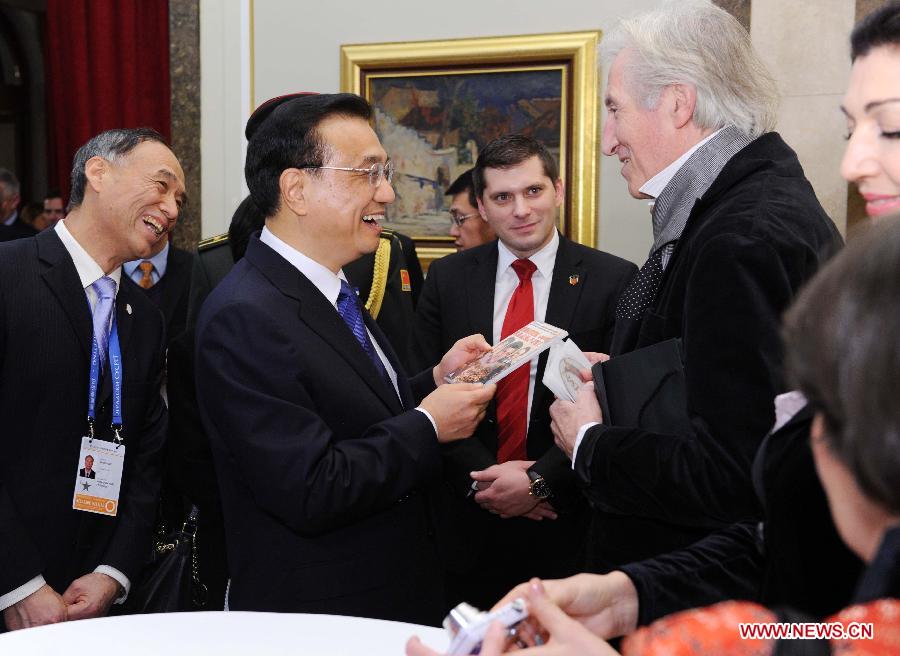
376,172
458,219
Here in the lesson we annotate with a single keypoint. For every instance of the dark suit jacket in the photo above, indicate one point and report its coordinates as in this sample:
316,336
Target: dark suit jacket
320,466
18,230
458,300
81,473
398,305
174,302
754,238
45,345
781,562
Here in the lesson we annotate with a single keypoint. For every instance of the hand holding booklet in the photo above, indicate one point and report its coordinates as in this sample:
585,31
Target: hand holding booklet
509,354
563,372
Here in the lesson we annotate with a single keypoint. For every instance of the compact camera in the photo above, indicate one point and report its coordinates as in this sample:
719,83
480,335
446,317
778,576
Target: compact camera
467,625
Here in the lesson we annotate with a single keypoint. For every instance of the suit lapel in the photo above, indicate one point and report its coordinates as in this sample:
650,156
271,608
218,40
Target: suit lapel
62,279
565,291
406,399
320,315
124,318
171,289
565,288
481,278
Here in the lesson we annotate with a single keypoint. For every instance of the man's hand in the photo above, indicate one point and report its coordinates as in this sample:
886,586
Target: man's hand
43,606
593,357
607,605
464,351
90,596
458,409
567,417
504,490
541,511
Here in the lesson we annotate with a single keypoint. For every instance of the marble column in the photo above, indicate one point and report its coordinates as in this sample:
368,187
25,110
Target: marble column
184,65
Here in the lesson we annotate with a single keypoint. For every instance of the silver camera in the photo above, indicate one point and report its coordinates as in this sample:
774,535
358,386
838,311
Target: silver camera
467,625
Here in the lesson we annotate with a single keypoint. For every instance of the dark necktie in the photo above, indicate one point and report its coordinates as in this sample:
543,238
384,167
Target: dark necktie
638,296
512,391
351,312
105,289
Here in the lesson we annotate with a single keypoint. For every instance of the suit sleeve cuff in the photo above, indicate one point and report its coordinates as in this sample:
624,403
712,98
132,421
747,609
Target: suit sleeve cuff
24,590
120,578
579,438
430,418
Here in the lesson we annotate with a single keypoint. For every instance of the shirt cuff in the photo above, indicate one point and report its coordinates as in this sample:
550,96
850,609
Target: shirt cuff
579,437
21,592
120,578
430,418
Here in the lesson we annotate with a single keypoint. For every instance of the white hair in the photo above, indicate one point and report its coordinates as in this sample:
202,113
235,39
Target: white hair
694,42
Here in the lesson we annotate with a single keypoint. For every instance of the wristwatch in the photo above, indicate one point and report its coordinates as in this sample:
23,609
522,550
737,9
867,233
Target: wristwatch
540,489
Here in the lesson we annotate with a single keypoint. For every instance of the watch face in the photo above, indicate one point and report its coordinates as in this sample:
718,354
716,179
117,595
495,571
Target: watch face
540,489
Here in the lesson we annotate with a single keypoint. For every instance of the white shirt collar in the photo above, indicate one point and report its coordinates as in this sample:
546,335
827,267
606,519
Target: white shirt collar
88,270
544,259
655,185
322,277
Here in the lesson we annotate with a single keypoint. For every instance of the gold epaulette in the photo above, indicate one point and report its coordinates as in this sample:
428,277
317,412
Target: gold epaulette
209,242
380,273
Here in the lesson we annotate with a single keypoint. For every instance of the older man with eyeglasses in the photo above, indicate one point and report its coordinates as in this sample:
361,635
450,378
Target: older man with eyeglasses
467,227
325,452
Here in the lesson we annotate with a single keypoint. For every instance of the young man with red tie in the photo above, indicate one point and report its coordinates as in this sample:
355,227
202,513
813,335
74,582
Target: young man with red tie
512,506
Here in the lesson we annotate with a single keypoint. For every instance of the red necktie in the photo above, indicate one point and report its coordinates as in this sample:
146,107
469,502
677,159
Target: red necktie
512,391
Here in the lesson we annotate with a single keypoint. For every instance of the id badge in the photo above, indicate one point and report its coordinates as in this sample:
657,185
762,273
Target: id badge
98,476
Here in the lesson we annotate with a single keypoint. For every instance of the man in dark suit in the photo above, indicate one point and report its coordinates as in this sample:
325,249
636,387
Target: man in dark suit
165,276
88,470
508,529
11,224
737,231
323,457
62,296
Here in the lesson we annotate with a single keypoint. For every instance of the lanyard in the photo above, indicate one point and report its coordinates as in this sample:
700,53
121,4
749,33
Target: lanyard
115,370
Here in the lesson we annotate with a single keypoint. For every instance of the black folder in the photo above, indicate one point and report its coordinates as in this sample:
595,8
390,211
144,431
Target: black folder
645,389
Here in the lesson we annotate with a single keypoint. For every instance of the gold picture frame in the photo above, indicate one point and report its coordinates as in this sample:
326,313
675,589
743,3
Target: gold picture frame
540,61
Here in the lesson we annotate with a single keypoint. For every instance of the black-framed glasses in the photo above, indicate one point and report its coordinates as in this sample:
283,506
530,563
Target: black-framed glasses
457,219
377,172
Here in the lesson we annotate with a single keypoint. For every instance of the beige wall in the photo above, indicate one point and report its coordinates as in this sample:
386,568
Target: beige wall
805,44
295,46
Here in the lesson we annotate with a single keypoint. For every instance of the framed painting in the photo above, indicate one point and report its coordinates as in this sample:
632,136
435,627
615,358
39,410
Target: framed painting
438,102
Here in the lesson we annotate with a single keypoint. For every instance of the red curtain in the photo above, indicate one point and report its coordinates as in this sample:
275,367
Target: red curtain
107,67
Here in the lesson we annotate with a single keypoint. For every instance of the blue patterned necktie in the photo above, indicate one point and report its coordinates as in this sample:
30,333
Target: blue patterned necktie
349,308
105,289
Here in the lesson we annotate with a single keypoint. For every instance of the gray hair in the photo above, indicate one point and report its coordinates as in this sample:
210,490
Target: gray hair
694,42
110,145
9,184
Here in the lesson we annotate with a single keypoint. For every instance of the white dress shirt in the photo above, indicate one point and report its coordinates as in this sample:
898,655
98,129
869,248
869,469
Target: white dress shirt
89,272
330,285
505,284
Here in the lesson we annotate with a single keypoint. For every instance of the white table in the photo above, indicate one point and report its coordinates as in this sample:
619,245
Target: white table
221,634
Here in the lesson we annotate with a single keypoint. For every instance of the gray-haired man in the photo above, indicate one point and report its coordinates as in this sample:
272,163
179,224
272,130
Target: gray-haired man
737,230
70,546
